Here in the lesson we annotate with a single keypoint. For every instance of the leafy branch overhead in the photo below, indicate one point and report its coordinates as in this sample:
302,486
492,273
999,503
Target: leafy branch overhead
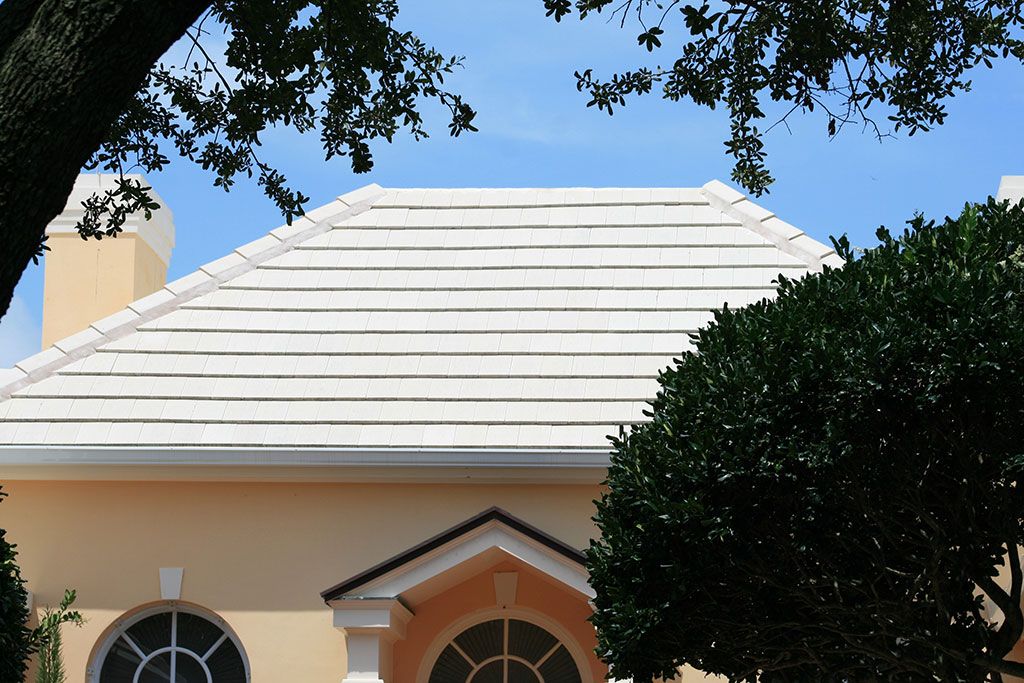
338,67
885,66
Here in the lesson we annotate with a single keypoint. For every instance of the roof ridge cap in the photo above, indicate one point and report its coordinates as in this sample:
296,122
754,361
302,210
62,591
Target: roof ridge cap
205,279
765,223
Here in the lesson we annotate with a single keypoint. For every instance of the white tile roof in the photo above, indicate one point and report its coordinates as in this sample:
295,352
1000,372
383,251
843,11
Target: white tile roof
416,318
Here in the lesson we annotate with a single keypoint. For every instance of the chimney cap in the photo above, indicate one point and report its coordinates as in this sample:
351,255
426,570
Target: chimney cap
158,232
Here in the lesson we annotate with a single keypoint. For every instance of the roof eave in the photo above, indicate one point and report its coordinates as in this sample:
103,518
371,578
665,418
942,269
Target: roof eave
71,463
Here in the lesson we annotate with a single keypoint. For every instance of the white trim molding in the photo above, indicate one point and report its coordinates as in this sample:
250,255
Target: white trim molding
119,627
491,535
71,463
371,614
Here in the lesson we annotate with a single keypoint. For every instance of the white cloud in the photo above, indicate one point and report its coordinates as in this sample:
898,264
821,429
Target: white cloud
20,333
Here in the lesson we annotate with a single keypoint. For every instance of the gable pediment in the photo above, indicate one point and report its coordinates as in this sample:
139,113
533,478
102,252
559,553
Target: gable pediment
482,540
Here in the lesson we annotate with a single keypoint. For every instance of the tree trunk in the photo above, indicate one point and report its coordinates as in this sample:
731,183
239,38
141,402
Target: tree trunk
67,70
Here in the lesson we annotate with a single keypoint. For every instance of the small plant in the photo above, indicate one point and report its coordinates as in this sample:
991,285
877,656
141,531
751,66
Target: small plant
51,660
50,650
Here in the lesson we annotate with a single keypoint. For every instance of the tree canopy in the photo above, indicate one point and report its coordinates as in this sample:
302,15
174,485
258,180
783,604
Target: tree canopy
883,65
831,482
81,86
338,68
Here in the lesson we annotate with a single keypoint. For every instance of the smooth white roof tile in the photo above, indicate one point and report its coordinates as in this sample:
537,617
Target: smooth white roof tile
460,318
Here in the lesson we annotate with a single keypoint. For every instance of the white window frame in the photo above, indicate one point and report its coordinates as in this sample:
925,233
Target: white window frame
118,629
534,617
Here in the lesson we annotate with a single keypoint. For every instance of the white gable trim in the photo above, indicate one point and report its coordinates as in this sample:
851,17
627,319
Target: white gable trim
493,534
371,610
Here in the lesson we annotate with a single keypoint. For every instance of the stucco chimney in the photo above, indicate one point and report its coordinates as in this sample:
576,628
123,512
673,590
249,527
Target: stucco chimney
86,280
1011,187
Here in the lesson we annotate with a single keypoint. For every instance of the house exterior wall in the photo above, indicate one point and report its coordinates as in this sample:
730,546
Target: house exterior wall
256,554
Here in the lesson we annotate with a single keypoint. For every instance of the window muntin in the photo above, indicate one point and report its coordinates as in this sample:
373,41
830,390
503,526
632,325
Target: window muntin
505,650
172,644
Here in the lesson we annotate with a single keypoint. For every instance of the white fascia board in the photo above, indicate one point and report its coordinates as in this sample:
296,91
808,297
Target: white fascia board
354,465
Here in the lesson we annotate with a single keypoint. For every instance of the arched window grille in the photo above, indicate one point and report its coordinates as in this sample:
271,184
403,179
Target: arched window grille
171,643
505,650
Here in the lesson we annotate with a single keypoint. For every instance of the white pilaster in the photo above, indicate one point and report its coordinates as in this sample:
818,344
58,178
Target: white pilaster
371,627
369,657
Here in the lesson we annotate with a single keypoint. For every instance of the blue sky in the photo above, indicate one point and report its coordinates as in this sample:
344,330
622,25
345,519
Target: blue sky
536,131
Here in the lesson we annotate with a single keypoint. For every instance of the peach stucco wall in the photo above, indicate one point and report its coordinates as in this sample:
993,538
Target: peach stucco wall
257,554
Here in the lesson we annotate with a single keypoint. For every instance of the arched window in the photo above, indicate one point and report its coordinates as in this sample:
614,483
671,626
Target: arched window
171,643
505,651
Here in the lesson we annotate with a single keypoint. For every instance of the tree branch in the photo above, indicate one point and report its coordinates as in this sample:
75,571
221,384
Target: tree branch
1010,630
65,78
1003,666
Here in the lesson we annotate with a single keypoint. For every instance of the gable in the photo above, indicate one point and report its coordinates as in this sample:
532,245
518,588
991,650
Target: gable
493,528
503,321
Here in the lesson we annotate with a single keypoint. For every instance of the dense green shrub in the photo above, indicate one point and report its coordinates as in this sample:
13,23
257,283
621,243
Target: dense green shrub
15,635
828,485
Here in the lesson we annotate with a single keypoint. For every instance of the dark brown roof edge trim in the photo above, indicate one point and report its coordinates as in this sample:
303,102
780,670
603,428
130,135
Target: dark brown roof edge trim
488,515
